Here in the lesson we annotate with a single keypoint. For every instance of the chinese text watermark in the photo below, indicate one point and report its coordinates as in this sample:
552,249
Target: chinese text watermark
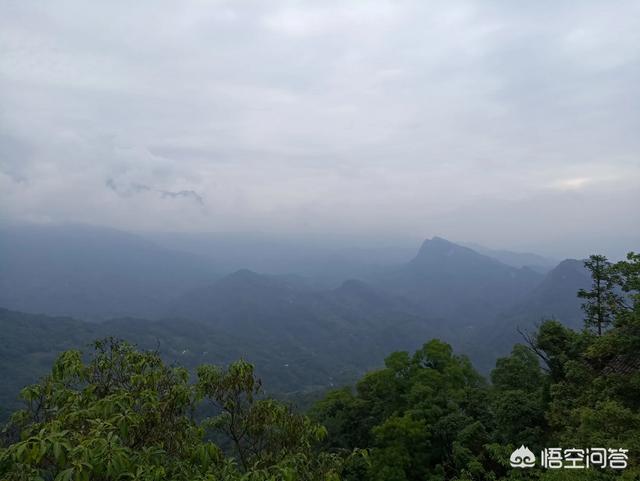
571,458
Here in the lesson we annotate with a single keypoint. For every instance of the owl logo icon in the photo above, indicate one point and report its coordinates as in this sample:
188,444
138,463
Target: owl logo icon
522,458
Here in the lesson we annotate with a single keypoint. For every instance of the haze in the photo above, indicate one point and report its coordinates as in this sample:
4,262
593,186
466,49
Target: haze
511,124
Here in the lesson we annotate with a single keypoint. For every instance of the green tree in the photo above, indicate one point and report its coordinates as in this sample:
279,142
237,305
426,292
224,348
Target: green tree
422,416
519,399
430,416
126,415
601,301
263,432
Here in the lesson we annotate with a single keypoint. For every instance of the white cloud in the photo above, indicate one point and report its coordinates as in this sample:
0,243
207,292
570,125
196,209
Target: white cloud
575,183
370,117
330,17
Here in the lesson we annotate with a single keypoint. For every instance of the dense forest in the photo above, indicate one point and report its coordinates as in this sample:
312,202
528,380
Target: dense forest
123,413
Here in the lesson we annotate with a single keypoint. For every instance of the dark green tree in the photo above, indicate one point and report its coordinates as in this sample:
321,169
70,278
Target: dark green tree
263,432
601,301
125,415
519,396
429,416
422,417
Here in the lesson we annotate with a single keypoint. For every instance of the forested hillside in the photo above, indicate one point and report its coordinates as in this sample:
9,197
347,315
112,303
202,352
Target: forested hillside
124,414
293,359
302,338
430,415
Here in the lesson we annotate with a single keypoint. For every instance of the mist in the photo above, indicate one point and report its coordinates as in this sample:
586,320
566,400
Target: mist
510,125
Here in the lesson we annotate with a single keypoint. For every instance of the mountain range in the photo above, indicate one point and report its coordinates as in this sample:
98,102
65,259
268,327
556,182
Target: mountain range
91,272
86,282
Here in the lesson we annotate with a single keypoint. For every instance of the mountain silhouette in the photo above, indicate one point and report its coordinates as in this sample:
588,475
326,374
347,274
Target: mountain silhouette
92,272
454,282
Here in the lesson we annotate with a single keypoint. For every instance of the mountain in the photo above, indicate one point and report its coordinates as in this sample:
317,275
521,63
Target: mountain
300,340
30,343
272,308
323,264
446,291
253,303
516,259
303,334
456,283
347,327
92,272
97,273
554,298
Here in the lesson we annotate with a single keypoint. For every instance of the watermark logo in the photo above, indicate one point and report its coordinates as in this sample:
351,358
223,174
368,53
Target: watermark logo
571,458
522,458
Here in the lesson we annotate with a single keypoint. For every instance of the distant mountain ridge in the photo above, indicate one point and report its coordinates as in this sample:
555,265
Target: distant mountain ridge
554,298
272,310
92,272
326,266
556,295
303,334
536,262
457,283
446,290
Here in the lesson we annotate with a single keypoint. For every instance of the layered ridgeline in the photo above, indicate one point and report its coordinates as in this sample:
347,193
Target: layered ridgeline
92,272
124,414
536,262
354,318
300,336
553,298
457,283
300,340
29,343
430,415
97,273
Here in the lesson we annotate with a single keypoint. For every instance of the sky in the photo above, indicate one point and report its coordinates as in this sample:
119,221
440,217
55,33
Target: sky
511,124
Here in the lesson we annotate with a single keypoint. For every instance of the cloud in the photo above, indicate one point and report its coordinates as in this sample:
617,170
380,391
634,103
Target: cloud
575,183
14,155
133,188
370,119
127,190
328,18
189,194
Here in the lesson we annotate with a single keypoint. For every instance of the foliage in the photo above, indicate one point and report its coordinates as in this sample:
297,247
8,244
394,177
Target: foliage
602,301
430,417
126,415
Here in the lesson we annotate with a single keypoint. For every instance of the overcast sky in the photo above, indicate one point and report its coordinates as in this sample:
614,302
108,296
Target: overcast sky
512,124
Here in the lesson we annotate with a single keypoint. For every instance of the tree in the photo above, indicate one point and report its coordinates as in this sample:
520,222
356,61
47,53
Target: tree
126,415
602,302
263,432
519,398
422,417
628,277
429,416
